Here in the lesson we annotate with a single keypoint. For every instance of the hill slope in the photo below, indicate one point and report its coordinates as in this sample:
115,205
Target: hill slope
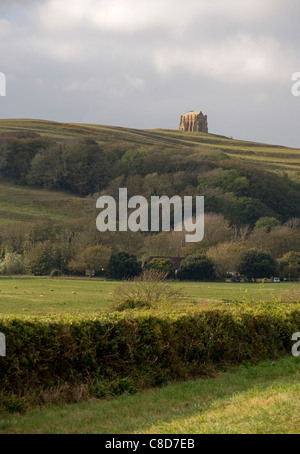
46,165
19,204
270,157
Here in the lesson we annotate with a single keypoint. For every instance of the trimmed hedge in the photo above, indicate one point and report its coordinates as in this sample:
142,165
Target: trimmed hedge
137,350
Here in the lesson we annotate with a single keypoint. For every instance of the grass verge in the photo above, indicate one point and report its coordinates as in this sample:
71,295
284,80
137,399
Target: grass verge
261,399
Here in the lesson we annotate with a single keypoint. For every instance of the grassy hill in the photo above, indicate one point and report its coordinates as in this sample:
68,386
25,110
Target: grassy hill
271,157
148,161
19,204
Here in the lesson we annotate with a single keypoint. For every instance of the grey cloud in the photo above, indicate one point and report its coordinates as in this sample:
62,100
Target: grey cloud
159,63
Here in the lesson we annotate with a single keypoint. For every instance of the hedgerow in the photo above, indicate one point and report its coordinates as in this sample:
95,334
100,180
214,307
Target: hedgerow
117,352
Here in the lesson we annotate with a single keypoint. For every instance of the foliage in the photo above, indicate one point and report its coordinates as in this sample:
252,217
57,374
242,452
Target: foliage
91,259
39,259
163,265
43,257
232,402
196,268
266,223
122,265
289,265
148,289
256,263
148,347
12,264
71,159
226,257
92,160
130,303
79,167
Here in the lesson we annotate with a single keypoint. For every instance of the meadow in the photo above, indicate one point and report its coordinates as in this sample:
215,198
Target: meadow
26,205
44,295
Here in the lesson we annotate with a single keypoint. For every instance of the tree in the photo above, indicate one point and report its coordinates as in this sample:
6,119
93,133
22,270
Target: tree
226,257
256,263
12,264
123,266
196,268
146,290
163,265
280,240
47,168
267,223
93,258
39,259
289,265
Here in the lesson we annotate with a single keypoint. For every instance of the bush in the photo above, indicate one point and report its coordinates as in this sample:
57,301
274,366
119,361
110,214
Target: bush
12,264
289,265
197,268
148,290
46,353
163,265
131,303
55,273
39,259
123,266
256,263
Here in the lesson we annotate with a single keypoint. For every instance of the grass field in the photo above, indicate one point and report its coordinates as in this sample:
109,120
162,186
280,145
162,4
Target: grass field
28,295
19,204
261,399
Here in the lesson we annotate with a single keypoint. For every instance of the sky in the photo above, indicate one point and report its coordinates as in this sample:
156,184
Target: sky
143,63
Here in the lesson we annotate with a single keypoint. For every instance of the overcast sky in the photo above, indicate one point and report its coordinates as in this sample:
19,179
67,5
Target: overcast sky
143,63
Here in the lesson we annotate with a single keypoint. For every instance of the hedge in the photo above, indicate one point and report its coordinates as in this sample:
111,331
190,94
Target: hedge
138,349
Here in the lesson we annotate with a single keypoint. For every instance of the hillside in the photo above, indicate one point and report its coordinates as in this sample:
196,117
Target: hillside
19,204
55,171
270,157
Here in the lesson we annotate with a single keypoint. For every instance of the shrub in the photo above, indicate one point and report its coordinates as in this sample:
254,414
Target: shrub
123,266
12,264
93,259
39,259
146,348
131,303
289,265
197,268
55,273
148,289
256,263
163,265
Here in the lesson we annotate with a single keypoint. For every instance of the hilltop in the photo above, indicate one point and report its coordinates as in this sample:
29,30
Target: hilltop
271,157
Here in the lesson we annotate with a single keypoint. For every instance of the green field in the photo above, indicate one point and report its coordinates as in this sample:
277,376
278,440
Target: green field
261,399
35,295
19,204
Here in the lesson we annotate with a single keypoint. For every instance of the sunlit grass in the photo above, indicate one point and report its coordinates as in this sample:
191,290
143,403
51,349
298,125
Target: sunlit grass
39,295
19,204
261,399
